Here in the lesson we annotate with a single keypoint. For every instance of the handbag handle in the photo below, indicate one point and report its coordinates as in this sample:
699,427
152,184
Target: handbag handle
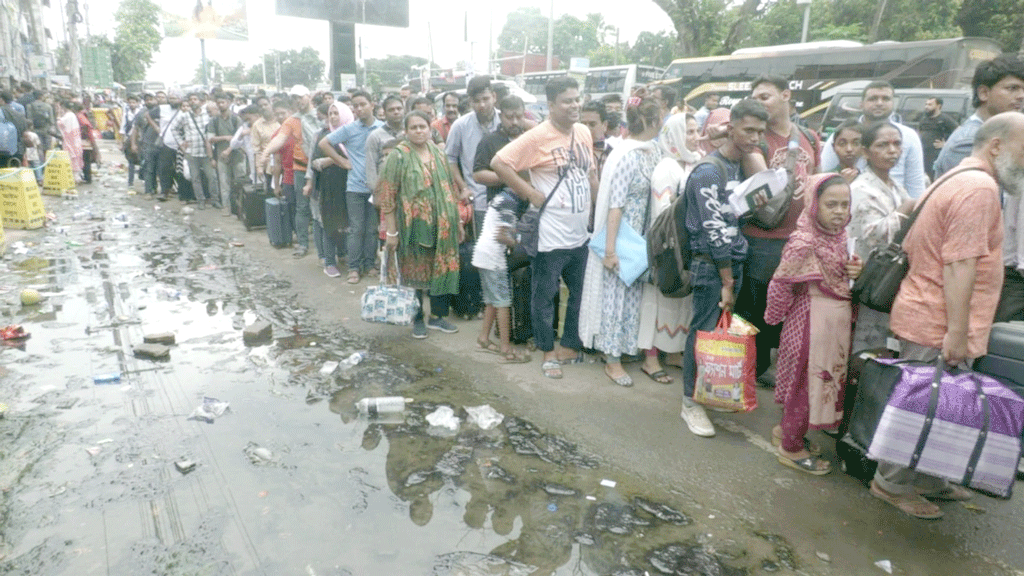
724,321
384,269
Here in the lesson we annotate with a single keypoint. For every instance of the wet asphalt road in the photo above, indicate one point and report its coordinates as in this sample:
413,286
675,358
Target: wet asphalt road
291,481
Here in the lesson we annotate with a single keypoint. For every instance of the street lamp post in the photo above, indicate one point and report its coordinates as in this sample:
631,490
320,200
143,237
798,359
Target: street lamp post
807,18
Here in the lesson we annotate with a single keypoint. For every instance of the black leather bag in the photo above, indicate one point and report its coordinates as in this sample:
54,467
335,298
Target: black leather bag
886,267
528,226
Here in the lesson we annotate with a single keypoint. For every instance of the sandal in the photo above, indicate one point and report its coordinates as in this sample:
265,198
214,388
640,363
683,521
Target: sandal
811,447
809,465
489,346
661,377
551,369
624,380
514,357
353,277
910,504
579,358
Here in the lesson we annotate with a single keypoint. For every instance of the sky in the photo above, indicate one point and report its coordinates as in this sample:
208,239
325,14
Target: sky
440,19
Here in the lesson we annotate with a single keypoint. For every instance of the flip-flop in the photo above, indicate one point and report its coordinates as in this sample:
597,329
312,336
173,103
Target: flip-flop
489,346
624,380
661,377
807,465
514,357
811,447
910,504
551,369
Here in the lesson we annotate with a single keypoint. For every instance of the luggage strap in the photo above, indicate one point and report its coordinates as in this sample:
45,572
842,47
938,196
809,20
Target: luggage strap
933,405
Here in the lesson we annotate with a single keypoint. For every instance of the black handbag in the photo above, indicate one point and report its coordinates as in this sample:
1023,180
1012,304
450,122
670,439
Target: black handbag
879,282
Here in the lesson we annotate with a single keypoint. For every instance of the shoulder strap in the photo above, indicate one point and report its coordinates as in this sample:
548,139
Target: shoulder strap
572,144
902,233
196,124
169,122
812,140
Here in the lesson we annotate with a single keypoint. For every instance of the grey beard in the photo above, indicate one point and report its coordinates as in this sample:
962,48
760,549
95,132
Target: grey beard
1010,175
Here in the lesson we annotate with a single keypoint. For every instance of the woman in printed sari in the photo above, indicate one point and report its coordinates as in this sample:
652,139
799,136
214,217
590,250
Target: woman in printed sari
810,295
419,202
71,136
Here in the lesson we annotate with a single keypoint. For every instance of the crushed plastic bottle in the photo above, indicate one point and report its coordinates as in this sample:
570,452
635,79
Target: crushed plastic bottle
382,405
345,366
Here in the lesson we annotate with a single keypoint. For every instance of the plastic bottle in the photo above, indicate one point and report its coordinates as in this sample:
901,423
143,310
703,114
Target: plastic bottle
345,366
382,405
111,378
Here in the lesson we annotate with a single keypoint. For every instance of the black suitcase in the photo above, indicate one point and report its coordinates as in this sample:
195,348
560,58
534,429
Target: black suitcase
252,210
279,225
469,302
522,293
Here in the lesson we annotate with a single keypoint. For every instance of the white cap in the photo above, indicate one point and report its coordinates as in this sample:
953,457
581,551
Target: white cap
298,90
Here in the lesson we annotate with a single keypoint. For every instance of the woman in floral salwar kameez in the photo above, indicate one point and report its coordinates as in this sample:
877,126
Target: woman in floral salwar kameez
419,202
810,295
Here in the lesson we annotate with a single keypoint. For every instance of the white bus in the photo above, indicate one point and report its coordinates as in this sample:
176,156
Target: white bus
605,80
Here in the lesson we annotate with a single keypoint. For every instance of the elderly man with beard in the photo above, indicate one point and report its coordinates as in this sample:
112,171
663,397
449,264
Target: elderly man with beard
948,299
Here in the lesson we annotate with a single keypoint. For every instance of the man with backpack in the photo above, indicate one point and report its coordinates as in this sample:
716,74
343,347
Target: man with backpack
717,247
794,148
40,111
12,126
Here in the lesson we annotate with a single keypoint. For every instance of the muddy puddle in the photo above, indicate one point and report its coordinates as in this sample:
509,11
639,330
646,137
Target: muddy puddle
115,464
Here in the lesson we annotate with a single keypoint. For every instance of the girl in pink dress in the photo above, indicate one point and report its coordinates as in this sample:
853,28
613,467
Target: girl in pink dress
810,295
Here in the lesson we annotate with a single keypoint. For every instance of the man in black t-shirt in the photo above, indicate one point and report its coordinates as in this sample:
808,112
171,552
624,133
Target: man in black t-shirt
935,126
512,114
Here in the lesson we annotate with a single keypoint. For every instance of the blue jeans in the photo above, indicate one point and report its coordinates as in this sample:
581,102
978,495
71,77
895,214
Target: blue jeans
303,215
707,294
363,221
325,247
547,268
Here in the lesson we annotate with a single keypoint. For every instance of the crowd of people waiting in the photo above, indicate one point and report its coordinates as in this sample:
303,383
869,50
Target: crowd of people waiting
363,175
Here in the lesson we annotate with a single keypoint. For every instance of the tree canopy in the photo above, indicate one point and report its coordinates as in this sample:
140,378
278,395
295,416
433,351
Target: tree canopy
297,67
136,38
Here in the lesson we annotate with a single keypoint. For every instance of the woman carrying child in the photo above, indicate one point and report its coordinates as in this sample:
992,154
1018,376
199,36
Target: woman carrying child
810,295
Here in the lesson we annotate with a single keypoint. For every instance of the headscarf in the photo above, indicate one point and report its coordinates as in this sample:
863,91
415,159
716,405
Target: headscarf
669,176
813,253
716,118
344,113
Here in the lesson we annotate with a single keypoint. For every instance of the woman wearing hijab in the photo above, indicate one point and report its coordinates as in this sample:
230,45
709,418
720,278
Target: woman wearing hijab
810,295
610,310
663,320
326,182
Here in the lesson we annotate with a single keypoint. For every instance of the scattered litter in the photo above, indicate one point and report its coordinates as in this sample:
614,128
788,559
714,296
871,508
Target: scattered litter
111,378
973,507
885,566
345,366
608,483
445,417
14,332
591,498
3,409
185,466
823,557
105,441
382,405
188,210
711,516
329,367
484,416
210,409
552,507
208,267
93,450
30,297
257,332
259,455
151,351
159,338
237,244
263,494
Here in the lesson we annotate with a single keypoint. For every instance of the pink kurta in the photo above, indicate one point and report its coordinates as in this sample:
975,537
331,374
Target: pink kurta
71,134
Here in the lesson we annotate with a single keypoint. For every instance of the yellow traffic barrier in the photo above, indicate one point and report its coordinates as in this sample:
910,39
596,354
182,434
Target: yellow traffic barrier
21,206
57,176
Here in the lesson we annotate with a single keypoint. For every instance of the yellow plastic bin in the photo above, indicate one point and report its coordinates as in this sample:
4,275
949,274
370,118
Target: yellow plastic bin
21,206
